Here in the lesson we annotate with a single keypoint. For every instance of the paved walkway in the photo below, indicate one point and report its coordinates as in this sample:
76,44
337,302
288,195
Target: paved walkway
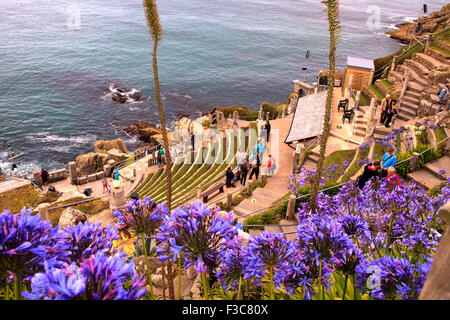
12,184
276,187
97,187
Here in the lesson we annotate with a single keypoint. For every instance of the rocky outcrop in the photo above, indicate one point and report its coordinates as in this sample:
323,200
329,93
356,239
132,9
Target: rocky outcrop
92,162
121,95
436,21
146,132
68,217
103,146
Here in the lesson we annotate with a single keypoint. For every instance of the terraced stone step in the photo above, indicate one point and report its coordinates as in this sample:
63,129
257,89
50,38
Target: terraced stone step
419,68
406,113
413,75
425,178
289,228
437,165
411,99
444,45
414,86
410,106
396,75
437,54
429,62
412,94
402,117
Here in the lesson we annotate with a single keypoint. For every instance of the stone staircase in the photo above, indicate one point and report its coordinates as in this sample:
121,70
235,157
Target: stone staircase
419,67
429,176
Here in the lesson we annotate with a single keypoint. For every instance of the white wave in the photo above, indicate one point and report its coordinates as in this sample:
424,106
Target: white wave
55,138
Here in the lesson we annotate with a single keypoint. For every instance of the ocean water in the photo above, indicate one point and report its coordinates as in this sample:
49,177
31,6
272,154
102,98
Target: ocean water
59,57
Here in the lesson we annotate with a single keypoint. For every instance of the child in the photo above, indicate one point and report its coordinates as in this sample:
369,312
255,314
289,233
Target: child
105,185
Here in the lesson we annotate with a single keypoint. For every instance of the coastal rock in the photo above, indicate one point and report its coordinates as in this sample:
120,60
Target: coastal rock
103,146
68,217
122,95
73,194
433,22
91,162
144,131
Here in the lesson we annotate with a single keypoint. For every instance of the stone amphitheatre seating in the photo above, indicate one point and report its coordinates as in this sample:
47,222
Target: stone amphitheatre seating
198,171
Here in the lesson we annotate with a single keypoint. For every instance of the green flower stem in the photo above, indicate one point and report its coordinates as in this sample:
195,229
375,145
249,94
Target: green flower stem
345,286
147,265
205,286
272,296
239,289
391,222
18,287
320,280
179,277
354,287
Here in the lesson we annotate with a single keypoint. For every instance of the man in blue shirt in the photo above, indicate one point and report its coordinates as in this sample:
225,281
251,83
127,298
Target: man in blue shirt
389,160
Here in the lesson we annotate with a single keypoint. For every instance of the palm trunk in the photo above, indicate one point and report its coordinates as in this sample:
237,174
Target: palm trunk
164,128
333,20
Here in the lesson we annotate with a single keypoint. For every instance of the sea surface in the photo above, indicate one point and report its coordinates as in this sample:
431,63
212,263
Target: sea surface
59,57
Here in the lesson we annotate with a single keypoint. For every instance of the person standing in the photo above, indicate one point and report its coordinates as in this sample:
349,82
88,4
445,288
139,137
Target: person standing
240,157
159,159
389,160
384,105
105,184
370,172
255,167
162,151
193,141
390,111
393,177
267,128
44,176
116,174
244,172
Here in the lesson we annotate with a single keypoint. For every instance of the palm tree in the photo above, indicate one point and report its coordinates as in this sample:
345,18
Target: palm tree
155,28
332,11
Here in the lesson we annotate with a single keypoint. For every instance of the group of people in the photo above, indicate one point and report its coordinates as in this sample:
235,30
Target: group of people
384,169
388,109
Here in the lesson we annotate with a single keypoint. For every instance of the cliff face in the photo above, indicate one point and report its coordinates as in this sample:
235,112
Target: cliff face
436,21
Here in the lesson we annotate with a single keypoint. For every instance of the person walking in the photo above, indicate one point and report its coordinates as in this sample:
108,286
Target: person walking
271,166
244,172
267,128
116,174
370,172
255,167
260,149
390,111
443,95
389,160
384,105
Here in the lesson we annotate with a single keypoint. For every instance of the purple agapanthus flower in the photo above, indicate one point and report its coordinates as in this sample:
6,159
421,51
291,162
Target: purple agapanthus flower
198,232
26,242
89,238
99,277
391,277
267,251
143,216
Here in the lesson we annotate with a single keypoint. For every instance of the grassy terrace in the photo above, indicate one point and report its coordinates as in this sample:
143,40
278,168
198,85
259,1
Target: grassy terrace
376,91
